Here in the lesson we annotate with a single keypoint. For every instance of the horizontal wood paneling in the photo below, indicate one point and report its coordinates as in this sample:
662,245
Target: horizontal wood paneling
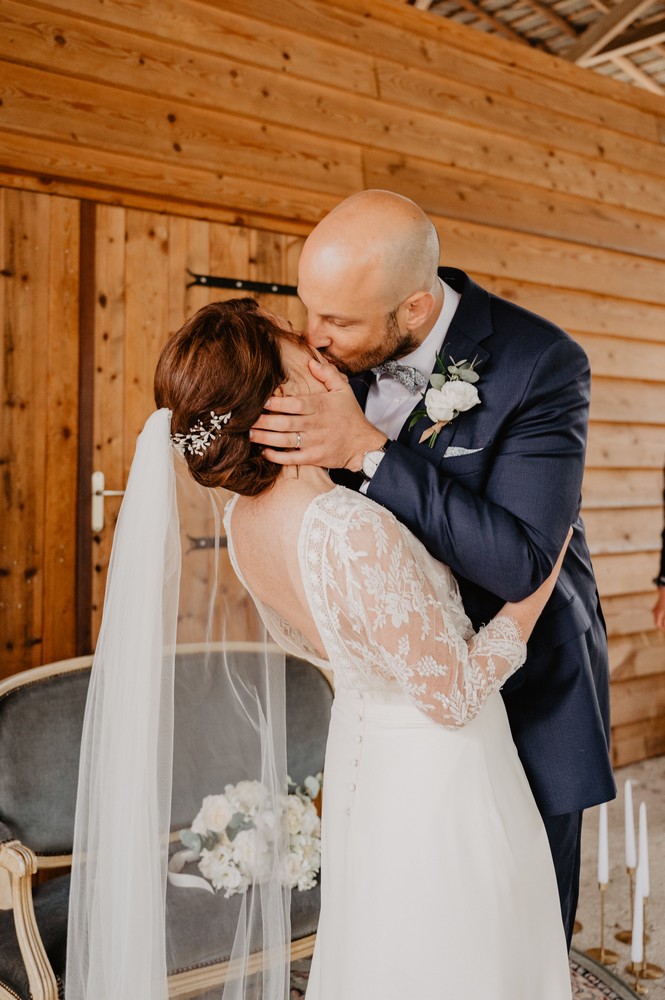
637,740
618,447
629,529
581,312
638,655
627,401
463,190
625,359
48,106
214,136
625,573
523,140
628,614
608,488
385,28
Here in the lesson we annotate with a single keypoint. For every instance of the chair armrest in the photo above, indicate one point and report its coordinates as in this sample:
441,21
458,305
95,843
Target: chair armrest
21,864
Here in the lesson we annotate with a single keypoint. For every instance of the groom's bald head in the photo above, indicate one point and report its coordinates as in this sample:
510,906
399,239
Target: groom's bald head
376,235
370,268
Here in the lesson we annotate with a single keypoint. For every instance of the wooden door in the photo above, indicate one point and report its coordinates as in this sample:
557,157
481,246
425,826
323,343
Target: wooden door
141,297
39,306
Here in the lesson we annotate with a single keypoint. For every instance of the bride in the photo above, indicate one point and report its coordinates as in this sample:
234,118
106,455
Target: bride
437,880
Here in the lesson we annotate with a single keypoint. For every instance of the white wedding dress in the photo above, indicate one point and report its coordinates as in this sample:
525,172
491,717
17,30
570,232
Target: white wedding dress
437,881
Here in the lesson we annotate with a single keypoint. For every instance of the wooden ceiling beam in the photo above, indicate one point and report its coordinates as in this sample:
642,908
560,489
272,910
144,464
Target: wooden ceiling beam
607,27
638,75
644,37
499,26
556,19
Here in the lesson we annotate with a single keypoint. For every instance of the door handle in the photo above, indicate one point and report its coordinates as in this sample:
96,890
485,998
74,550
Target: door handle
98,494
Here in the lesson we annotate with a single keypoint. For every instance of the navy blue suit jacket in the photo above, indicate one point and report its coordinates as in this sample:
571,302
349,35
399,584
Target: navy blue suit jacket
499,516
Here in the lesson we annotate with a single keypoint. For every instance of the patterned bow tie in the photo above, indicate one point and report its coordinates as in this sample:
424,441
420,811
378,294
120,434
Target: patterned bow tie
409,377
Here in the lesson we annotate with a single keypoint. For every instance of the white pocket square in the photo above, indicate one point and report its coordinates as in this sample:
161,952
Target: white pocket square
455,452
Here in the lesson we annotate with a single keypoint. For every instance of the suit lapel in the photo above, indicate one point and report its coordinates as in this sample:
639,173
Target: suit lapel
360,384
470,325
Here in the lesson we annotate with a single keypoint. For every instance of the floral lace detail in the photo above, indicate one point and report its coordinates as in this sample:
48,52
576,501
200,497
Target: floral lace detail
390,616
388,613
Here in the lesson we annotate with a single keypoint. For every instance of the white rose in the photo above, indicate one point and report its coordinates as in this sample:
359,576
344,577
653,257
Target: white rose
456,396
437,406
310,824
312,786
251,795
291,870
211,863
220,869
245,847
295,813
215,814
231,881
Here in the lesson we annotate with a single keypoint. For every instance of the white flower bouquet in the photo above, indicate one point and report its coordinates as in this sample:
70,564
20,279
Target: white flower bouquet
234,834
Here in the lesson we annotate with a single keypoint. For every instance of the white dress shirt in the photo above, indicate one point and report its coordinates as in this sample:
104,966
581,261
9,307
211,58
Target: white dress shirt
389,403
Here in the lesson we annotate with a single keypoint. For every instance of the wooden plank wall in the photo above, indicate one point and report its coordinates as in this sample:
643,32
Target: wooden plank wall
39,264
245,125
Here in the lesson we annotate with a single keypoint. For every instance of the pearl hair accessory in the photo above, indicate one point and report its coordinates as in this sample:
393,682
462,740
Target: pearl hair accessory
200,437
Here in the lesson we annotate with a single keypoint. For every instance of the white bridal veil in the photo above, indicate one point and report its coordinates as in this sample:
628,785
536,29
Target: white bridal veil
186,698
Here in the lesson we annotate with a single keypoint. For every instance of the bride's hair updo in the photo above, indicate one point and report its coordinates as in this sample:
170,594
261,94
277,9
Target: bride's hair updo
225,358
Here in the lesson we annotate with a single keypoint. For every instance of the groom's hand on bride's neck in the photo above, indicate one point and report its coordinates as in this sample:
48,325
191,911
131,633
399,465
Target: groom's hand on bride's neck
334,432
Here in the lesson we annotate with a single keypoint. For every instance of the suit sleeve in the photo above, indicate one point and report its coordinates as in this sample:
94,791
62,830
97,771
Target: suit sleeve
507,539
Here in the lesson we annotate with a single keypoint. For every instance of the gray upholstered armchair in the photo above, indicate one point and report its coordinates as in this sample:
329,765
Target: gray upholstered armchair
41,717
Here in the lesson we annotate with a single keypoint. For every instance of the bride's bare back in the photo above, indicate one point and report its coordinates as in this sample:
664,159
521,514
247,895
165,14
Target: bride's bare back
266,533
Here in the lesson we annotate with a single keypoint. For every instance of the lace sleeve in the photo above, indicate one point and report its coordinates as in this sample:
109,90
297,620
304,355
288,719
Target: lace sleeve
380,591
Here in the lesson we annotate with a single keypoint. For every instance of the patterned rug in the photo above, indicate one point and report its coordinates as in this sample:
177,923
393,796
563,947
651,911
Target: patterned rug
590,981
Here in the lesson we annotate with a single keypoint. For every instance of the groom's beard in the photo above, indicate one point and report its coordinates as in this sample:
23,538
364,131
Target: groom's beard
394,345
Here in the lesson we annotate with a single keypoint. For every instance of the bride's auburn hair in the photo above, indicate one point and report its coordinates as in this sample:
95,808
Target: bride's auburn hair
225,358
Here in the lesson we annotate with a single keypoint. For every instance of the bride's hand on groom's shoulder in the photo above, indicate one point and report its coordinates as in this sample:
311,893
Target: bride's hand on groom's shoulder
326,429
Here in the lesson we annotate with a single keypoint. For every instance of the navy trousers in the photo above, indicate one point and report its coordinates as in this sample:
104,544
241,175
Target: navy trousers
565,836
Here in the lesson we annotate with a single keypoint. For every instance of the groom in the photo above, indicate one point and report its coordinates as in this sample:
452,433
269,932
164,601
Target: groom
491,492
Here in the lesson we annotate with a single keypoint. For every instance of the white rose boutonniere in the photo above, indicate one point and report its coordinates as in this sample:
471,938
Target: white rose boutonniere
452,392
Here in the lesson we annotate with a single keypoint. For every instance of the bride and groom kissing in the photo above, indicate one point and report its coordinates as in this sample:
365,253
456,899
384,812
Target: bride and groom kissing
440,569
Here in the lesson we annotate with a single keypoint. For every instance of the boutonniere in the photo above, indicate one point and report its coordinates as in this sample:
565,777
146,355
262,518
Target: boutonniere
452,392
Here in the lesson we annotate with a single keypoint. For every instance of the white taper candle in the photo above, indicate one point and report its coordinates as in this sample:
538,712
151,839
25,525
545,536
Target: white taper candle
631,850
643,860
603,851
637,943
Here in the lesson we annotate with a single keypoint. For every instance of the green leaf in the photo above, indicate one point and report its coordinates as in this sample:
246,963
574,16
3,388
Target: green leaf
236,824
440,363
191,840
468,375
418,415
437,381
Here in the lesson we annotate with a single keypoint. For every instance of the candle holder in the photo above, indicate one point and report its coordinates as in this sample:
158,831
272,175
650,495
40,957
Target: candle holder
649,970
626,937
644,969
603,955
